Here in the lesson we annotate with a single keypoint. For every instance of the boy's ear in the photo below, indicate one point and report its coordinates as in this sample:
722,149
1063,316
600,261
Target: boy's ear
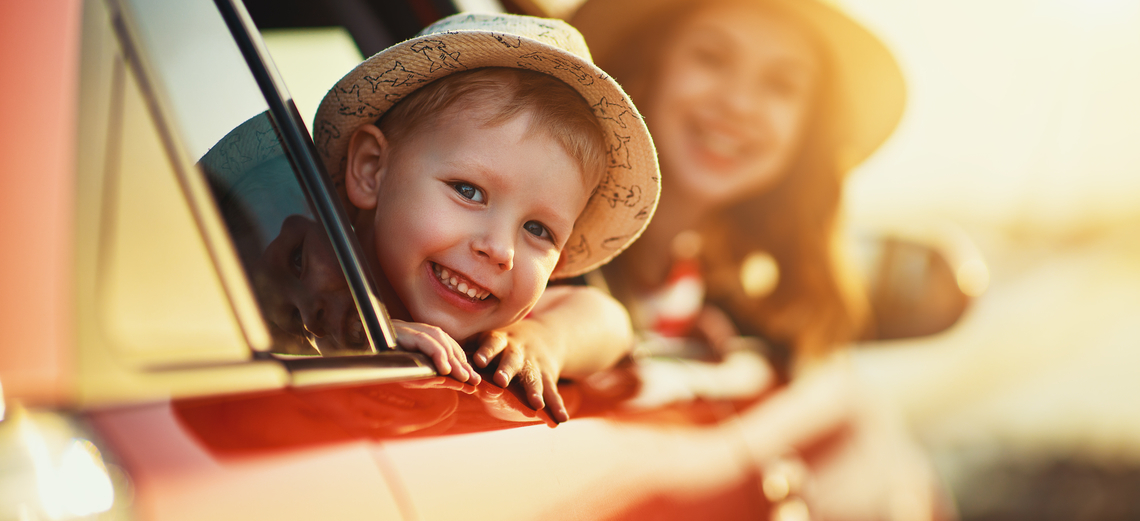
367,162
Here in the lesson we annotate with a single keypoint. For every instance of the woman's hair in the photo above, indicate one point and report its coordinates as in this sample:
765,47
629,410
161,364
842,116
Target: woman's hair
815,306
557,110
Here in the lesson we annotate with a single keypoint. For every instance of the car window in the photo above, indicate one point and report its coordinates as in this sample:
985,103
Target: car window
216,96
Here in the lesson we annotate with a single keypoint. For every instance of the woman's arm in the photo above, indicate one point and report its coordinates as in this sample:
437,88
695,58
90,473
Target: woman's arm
861,462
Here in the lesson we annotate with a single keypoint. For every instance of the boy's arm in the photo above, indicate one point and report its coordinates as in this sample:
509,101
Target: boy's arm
572,331
594,327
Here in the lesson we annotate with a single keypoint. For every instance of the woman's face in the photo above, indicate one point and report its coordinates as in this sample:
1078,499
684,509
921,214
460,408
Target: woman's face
731,102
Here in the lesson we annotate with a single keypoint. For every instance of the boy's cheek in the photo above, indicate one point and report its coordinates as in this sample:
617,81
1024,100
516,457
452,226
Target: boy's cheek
547,263
540,278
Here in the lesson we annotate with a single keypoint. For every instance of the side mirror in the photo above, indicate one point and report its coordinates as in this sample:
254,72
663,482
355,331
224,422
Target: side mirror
920,284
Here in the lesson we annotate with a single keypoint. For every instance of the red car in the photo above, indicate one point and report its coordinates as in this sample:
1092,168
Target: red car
145,376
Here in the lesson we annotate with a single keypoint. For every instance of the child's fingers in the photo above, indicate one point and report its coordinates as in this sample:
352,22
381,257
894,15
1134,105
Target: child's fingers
460,370
493,344
532,384
417,340
459,359
435,343
554,399
509,365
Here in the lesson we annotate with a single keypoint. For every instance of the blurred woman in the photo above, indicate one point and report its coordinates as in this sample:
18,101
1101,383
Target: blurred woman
758,109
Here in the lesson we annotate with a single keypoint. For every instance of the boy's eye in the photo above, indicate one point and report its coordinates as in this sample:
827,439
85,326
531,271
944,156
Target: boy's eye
297,260
537,229
469,191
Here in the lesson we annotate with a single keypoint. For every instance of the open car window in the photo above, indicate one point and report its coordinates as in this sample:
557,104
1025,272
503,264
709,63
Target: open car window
251,168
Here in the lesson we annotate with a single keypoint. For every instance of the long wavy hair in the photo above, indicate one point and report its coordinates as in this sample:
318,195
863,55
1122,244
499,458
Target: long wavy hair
815,306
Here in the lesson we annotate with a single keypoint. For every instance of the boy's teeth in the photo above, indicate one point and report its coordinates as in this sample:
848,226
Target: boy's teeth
452,282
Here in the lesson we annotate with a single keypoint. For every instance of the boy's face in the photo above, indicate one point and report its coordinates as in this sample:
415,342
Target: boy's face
469,220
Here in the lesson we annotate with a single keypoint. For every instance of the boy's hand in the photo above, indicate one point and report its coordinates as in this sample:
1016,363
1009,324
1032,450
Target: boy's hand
449,358
525,352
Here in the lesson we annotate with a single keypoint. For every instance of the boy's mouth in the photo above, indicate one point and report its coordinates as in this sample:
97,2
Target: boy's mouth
459,284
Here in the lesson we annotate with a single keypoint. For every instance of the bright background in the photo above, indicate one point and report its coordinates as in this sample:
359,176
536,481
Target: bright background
1021,112
1023,127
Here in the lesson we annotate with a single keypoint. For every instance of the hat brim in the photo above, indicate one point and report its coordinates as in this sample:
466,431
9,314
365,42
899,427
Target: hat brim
871,86
620,206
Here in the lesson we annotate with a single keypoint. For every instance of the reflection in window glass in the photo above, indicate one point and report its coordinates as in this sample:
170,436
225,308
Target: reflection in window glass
285,250
201,68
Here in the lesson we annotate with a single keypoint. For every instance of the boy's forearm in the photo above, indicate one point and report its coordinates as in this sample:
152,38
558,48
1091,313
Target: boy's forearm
593,328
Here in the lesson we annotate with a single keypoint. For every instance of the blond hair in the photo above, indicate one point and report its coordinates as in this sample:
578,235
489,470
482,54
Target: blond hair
501,93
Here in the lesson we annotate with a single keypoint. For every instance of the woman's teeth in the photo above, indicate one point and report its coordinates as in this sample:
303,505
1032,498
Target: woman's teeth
719,141
721,144
451,281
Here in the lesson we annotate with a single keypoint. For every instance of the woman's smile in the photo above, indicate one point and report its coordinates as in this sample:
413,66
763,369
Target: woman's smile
721,145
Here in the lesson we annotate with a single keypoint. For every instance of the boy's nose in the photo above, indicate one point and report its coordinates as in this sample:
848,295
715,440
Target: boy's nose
495,248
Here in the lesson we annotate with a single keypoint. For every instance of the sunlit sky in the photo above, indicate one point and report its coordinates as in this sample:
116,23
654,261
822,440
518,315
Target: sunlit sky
1020,112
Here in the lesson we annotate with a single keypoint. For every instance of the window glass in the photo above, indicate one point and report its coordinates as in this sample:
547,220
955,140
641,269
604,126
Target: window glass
217,111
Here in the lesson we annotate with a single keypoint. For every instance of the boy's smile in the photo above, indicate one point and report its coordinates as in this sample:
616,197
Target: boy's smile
469,220
460,284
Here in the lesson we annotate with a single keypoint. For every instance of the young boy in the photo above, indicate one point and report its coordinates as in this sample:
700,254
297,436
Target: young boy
481,159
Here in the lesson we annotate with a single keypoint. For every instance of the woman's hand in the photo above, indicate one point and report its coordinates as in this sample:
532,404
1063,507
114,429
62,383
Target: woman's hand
449,358
861,462
528,350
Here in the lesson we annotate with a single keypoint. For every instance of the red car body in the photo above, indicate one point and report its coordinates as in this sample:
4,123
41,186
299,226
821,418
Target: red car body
421,449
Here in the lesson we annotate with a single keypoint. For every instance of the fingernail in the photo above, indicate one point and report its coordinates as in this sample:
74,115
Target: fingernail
481,359
502,379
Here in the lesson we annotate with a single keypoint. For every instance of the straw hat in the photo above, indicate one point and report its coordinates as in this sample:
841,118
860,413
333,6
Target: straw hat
870,83
621,204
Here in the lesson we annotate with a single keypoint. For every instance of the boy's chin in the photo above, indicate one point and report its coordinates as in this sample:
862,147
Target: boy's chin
461,333
462,337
